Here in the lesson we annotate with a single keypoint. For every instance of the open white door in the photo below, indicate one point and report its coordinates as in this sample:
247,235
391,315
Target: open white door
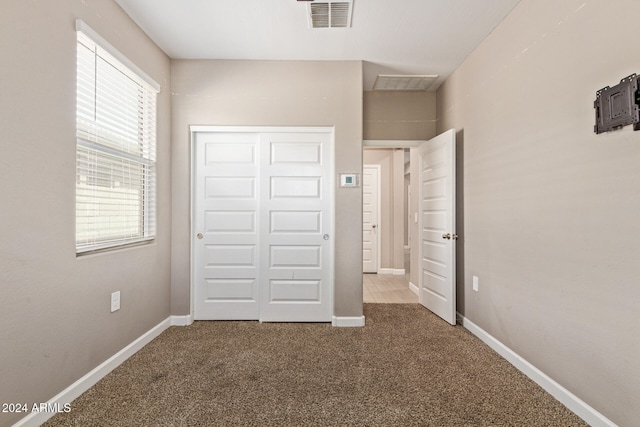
437,231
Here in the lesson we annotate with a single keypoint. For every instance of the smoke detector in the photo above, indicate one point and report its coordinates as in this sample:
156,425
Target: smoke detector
330,14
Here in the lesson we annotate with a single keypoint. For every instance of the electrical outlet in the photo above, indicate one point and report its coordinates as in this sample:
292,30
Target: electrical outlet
475,283
115,301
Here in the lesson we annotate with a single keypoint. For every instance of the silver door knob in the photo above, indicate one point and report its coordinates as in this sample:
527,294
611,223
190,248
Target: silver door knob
446,236
199,236
325,237
373,226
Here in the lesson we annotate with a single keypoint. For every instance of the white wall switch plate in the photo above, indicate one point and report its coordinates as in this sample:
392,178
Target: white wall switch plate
475,283
115,301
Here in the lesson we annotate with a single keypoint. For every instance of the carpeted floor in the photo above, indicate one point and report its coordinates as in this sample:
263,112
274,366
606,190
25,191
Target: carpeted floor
406,367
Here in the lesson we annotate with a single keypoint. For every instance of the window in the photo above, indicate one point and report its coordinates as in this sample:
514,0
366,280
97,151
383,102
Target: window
115,148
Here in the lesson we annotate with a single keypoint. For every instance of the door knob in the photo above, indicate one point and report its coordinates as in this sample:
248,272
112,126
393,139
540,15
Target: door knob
373,226
446,236
199,236
325,237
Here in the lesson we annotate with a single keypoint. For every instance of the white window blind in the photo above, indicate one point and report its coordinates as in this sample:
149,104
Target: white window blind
115,151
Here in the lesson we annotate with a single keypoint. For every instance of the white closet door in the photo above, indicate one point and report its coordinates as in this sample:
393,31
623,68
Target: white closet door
262,225
296,240
225,214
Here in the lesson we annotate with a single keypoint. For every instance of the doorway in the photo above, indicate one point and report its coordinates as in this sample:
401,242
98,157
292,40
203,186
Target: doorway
433,224
386,176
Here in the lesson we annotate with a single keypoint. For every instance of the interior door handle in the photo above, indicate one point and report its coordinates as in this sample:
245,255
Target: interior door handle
199,236
446,236
373,226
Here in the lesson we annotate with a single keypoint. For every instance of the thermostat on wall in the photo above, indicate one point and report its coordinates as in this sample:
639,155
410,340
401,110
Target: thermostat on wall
349,180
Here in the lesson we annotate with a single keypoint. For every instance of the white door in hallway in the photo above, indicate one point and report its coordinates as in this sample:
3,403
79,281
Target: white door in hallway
437,225
262,225
370,217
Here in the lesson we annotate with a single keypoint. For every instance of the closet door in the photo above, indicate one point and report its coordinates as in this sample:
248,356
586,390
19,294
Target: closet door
262,225
296,241
225,225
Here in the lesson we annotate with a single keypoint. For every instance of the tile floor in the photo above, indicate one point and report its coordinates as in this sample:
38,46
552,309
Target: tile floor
386,288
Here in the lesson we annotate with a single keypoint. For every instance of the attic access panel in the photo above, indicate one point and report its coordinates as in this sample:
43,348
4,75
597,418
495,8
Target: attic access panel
618,106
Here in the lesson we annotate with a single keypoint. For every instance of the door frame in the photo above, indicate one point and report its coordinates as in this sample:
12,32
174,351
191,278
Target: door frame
378,209
331,183
391,143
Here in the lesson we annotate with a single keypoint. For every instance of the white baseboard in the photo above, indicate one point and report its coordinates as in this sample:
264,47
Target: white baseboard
413,288
185,320
347,322
393,271
564,396
89,380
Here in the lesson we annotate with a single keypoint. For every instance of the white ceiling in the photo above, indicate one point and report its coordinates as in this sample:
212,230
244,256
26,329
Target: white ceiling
390,36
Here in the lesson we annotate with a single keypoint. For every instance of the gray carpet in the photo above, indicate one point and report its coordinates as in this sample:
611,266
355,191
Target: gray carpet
406,367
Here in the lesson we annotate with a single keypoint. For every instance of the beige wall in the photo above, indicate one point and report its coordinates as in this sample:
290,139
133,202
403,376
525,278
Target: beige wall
408,115
55,312
549,210
271,93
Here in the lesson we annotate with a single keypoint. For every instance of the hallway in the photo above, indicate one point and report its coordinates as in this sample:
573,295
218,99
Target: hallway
387,288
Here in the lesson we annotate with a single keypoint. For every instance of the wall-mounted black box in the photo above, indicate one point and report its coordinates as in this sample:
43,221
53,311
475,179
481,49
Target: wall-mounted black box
618,106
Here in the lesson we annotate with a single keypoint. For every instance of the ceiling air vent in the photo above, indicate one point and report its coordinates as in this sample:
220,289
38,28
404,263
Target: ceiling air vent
404,82
330,14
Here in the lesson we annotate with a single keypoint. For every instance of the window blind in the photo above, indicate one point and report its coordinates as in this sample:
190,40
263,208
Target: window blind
115,151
